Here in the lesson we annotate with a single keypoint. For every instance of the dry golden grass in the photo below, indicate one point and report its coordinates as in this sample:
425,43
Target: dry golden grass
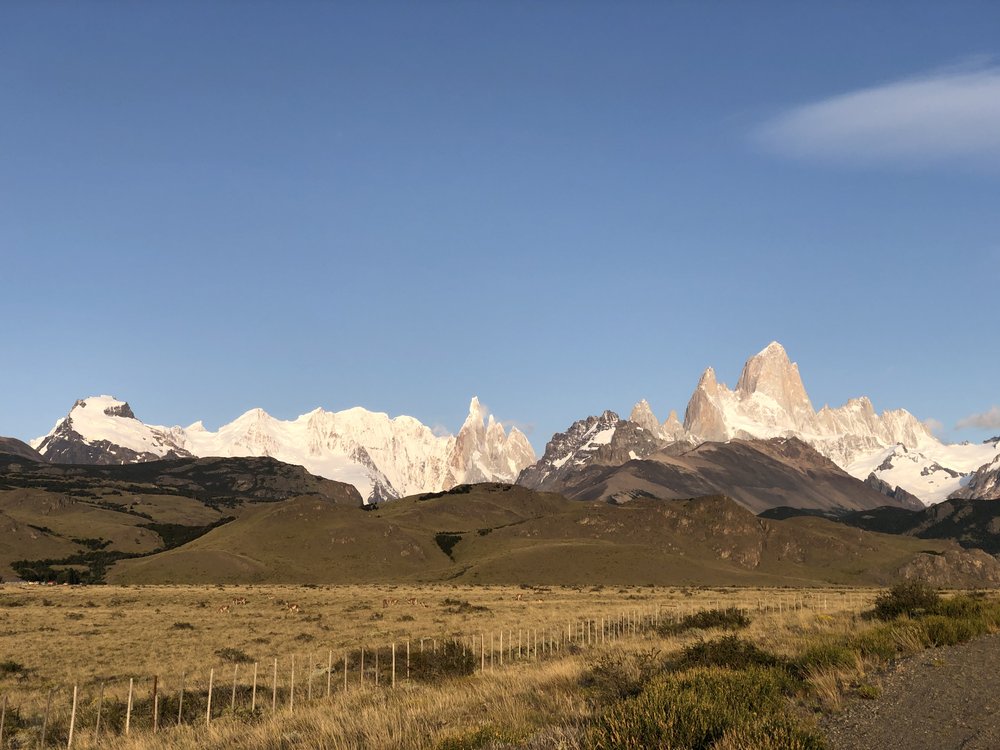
102,636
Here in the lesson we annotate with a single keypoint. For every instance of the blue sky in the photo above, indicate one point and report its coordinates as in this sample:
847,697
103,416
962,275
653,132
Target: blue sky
561,207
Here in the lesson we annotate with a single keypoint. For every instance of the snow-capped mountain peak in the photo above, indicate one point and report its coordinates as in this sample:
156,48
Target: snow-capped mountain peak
382,456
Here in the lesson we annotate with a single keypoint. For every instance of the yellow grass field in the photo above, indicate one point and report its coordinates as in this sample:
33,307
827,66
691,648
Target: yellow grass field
98,638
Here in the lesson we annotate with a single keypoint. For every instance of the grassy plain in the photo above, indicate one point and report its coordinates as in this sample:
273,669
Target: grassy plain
99,637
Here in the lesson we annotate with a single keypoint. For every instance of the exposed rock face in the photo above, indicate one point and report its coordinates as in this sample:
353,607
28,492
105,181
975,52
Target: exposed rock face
974,524
605,440
953,569
770,400
770,374
896,493
383,457
705,416
483,452
643,416
102,430
984,484
757,474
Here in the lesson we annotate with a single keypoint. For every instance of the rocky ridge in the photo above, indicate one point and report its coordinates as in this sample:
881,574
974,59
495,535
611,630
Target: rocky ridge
382,457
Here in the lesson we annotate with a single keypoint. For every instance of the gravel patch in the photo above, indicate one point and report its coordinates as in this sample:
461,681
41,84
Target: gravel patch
941,699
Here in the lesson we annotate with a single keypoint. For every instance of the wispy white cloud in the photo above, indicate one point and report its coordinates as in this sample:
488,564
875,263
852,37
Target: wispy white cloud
440,430
987,420
934,425
939,117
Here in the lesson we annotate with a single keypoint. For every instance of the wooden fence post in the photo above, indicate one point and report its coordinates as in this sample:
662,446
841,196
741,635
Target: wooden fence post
208,710
72,721
128,711
394,665
232,699
274,689
407,660
309,680
45,719
501,648
3,718
180,701
345,671
291,688
482,653
156,704
253,690
329,674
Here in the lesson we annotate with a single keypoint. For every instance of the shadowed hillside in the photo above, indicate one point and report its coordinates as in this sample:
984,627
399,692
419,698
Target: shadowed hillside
509,534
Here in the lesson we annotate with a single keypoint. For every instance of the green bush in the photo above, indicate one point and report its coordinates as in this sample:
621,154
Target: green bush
825,655
947,631
729,651
724,619
705,708
888,642
909,598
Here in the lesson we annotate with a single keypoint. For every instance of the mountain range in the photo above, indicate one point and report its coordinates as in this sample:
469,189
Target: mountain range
892,453
383,457
253,520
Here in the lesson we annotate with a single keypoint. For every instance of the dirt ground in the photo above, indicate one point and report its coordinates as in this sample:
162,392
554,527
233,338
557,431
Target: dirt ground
941,699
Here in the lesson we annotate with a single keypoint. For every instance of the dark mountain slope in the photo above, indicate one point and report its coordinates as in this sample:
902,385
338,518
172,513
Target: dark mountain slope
14,447
758,474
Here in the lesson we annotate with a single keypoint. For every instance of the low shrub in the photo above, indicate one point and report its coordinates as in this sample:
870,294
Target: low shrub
825,655
947,631
477,739
704,708
868,691
450,659
724,619
10,667
619,674
729,652
234,655
909,598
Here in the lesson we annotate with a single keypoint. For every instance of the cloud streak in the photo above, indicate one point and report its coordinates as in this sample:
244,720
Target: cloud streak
936,118
987,420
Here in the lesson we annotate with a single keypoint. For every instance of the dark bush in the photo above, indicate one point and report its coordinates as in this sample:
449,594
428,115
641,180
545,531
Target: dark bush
234,656
706,708
449,659
447,542
10,667
909,598
724,619
729,651
619,675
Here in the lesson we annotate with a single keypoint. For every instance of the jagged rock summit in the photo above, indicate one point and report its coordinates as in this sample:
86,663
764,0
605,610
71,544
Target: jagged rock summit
900,454
384,457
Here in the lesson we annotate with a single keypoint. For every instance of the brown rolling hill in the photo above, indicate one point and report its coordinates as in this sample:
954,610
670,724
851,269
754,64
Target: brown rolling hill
61,518
509,534
14,447
757,474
